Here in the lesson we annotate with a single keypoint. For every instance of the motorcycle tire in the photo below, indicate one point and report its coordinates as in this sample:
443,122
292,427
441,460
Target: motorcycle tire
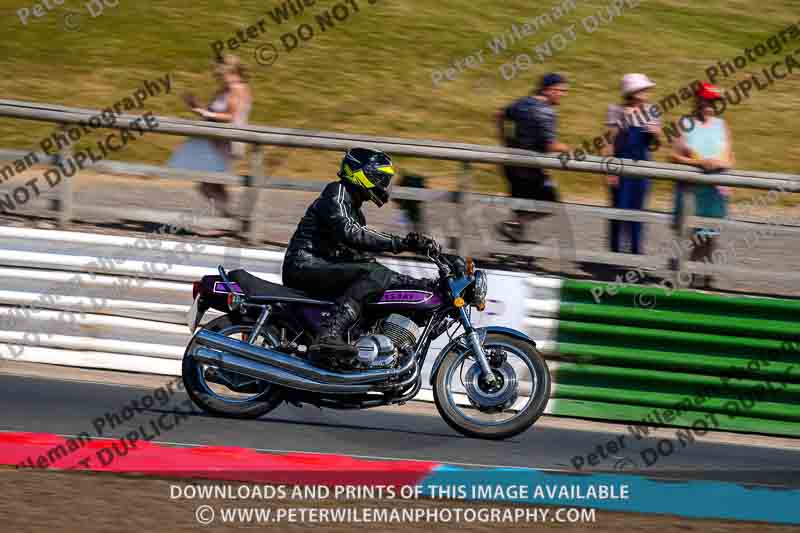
251,409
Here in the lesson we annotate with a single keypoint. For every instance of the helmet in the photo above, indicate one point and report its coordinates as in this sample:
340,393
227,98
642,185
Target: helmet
369,170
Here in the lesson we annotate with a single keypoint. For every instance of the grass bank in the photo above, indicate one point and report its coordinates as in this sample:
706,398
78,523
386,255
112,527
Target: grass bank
372,72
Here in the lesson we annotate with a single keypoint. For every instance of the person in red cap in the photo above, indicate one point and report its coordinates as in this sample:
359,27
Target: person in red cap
706,145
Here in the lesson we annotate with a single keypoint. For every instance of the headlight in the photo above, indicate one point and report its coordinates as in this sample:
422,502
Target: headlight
481,287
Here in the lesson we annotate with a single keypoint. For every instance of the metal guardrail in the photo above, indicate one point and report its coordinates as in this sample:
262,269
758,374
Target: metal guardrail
467,154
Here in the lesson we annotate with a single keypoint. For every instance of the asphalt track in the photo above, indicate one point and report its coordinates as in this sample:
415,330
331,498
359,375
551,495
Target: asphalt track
413,431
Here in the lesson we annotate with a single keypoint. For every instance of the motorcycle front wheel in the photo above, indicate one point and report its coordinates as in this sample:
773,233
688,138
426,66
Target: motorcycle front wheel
476,409
217,399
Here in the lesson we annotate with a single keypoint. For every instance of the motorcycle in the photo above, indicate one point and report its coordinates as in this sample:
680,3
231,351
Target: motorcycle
489,382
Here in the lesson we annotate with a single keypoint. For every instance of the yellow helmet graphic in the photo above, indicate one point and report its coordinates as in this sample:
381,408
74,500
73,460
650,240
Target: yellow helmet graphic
371,170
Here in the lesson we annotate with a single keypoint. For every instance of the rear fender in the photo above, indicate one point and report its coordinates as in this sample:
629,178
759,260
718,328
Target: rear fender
461,341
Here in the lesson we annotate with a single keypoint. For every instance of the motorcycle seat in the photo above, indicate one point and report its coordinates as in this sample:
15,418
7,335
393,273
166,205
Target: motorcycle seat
259,290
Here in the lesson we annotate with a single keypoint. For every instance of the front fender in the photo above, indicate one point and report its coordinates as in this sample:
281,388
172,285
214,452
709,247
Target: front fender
482,332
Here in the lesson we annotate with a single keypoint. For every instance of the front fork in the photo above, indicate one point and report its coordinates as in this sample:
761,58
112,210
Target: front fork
477,348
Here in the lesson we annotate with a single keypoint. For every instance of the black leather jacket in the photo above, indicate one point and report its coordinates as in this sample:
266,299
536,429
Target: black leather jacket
334,229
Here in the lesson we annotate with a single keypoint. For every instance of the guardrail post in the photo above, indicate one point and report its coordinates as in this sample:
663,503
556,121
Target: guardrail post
687,201
463,200
255,182
680,229
63,203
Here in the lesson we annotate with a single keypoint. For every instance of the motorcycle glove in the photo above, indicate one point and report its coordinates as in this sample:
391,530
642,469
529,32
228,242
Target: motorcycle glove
416,242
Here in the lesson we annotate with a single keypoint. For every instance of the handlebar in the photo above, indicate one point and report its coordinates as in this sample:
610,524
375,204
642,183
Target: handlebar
435,255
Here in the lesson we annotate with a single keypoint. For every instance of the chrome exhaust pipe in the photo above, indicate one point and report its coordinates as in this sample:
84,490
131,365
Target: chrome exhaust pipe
255,369
400,385
295,365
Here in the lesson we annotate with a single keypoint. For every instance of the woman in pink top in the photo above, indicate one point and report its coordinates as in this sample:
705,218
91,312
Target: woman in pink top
231,103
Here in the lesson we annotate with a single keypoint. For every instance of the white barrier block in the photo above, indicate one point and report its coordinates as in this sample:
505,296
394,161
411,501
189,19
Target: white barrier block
209,250
542,308
98,360
25,339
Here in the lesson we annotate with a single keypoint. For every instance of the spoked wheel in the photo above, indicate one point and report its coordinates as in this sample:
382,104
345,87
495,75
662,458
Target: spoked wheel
501,410
226,393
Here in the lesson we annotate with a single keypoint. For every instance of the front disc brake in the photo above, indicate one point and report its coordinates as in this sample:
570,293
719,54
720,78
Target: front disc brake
492,398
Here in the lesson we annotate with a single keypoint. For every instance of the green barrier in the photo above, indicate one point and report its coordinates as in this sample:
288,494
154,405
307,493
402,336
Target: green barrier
678,321
731,406
646,381
644,355
675,341
661,299
683,362
634,414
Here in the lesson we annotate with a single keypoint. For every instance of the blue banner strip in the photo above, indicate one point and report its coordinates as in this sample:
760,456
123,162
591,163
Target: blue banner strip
616,492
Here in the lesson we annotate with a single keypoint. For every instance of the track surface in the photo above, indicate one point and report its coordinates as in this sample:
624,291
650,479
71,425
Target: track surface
413,431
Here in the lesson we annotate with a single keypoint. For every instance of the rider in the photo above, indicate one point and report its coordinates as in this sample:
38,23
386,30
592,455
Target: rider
324,255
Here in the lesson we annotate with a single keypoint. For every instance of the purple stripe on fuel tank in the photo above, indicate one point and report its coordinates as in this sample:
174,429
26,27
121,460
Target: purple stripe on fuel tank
220,288
410,297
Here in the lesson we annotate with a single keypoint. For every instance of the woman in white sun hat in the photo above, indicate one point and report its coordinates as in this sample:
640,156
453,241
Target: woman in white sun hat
635,133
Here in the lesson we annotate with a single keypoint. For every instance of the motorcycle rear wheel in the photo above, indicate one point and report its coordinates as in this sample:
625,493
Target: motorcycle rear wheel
205,398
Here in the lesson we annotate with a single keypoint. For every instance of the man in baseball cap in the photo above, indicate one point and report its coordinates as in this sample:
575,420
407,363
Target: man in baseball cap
535,122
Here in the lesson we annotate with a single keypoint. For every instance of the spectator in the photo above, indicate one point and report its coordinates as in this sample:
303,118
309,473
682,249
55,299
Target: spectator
411,211
707,145
535,123
232,104
633,131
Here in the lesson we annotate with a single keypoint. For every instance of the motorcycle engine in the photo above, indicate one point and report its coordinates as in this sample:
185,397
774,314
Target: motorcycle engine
380,350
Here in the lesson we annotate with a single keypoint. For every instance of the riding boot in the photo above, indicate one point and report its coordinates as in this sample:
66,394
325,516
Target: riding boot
330,342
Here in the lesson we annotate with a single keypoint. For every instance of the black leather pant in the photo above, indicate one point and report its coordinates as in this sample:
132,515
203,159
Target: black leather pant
354,282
